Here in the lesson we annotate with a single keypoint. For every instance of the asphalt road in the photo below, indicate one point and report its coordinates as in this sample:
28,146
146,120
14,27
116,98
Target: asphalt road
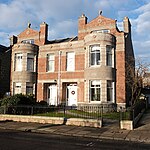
17,140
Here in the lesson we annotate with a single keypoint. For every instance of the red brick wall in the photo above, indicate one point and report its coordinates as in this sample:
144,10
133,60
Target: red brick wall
120,84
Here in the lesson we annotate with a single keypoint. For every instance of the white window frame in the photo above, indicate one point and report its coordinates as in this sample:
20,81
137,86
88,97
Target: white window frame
18,61
70,56
95,86
50,62
95,51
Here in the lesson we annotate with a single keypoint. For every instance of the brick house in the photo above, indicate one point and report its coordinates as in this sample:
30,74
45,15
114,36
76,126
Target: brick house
89,68
5,55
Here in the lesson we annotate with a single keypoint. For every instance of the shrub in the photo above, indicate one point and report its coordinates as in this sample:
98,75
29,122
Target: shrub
18,99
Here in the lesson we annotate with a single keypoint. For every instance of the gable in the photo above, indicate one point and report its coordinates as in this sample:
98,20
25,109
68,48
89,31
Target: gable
102,22
28,34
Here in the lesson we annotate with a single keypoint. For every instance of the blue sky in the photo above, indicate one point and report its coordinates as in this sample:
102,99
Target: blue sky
62,18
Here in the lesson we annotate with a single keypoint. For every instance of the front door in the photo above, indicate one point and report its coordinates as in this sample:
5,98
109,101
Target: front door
52,94
72,95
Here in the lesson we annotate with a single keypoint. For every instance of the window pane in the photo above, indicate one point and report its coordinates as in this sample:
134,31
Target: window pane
109,91
17,88
50,62
18,62
70,61
95,90
109,55
95,55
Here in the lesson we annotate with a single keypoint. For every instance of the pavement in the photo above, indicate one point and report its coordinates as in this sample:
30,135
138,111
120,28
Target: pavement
110,130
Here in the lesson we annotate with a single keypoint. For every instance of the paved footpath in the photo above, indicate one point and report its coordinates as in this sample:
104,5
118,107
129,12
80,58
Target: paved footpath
110,131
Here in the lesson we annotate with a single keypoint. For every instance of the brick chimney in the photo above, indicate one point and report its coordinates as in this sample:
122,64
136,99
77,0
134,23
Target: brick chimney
126,25
82,21
43,32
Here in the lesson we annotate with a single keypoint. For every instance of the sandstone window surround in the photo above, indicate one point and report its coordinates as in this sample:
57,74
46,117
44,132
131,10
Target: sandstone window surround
50,62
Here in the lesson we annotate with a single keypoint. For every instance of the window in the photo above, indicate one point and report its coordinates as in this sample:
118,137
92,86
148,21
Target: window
109,55
70,61
95,55
17,88
30,62
50,62
101,31
109,91
30,41
18,62
95,90
29,88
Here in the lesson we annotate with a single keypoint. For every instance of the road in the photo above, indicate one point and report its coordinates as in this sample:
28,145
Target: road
17,140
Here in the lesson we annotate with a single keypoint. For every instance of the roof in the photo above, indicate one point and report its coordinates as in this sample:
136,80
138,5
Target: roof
3,48
63,40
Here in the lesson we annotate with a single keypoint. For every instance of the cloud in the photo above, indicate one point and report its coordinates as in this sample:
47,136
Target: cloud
62,17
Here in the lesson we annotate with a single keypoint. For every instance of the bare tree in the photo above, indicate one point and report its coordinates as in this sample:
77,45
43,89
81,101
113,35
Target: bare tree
135,76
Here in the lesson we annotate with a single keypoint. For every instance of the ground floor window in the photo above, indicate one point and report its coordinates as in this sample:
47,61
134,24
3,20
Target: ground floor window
29,88
95,90
17,88
110,90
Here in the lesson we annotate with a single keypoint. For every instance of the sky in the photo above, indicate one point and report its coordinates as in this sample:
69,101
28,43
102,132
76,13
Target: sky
62,18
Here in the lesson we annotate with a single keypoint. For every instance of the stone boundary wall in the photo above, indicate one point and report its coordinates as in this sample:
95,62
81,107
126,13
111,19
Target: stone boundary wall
53,120
128,124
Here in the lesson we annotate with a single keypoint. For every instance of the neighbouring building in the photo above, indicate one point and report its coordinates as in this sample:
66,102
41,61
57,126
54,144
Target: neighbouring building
5,57
89,68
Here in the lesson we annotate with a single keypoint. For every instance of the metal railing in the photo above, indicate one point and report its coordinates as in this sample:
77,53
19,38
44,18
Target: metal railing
88,112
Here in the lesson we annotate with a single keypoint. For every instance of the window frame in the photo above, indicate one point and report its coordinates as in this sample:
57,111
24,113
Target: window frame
96,87
70,59
110,91
109,54
50,61
97,55
31,57
16,64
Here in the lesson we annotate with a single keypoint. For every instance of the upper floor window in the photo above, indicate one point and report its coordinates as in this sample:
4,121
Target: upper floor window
101,31
95,55
109,55
30,41
95,90
18,62
50,62
30,62
70,61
